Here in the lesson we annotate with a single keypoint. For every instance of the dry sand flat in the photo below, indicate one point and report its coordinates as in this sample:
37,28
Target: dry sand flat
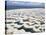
20,21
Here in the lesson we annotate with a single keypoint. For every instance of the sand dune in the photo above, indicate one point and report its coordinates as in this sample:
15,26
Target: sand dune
25,20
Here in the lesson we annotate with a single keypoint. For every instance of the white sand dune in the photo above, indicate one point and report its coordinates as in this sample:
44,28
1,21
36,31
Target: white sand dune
27,19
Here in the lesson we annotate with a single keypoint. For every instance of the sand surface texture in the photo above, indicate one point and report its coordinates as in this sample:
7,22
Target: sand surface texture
21,21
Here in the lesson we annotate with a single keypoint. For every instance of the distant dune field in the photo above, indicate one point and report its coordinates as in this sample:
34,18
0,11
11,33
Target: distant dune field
25,21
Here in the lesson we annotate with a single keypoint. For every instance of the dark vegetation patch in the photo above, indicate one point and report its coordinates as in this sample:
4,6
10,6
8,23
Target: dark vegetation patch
42,23
27,29
25,20
18,22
